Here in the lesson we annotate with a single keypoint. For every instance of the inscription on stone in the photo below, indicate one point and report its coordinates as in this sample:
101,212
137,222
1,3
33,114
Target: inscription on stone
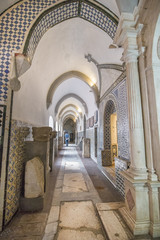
130,200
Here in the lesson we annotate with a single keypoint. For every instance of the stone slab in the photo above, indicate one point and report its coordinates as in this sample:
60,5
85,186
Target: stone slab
74,182
79,235
34,178
72,166
54,214
78,215
109,206
113,227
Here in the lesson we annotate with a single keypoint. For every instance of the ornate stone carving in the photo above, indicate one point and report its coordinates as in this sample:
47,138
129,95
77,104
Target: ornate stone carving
53,134
41,134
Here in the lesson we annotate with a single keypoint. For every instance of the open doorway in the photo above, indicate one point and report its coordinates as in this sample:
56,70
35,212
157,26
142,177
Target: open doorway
110,139
70,127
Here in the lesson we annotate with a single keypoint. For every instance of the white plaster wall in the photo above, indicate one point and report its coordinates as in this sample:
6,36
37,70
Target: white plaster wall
109,76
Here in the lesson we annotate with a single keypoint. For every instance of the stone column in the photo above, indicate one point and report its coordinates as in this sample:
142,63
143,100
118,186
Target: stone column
136,212
138,161
60,143
86,148
52,149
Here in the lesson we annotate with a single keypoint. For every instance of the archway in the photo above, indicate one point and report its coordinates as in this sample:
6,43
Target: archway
70,126
110,134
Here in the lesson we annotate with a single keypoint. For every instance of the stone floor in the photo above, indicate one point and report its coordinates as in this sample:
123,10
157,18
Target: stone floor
79,202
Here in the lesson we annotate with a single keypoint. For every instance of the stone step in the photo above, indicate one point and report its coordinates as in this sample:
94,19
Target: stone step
114,225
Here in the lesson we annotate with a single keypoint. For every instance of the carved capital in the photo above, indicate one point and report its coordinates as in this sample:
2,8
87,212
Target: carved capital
131,55
41,134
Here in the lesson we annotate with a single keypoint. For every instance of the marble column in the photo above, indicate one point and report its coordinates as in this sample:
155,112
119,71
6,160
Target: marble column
136,212
138,161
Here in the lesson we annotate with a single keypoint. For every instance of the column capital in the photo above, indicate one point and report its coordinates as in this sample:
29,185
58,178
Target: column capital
131,55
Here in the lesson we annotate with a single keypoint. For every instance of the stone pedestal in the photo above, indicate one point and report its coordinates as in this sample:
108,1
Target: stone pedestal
154,208
86,148
136,212
60,143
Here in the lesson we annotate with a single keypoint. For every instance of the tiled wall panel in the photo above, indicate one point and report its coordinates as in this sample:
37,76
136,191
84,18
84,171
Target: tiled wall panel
15,23
119,96
120,165
15,169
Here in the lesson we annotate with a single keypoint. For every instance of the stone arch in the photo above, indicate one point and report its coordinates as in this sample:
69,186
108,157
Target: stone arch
69,112
67,76
71,95
70,105
110,108
86,10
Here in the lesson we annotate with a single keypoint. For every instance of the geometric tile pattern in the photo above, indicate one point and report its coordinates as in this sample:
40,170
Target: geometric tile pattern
13,26
15,23
57,15
120,98
120,165
120,93
2,126
66,11
15,171
109,109
98,18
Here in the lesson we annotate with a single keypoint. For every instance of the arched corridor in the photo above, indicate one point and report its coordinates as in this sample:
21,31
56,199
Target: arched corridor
77,188
86,72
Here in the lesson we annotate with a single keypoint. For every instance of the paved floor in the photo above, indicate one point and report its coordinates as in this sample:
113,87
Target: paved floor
76,186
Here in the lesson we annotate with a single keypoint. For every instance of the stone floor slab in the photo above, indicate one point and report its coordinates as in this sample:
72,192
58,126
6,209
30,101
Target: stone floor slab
109,206
113,227
79,235
74,182
78,215
72,166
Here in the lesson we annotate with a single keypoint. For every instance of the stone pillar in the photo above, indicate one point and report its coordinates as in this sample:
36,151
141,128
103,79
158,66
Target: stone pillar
138,161
153,183
86,148
154,208
60,143
136,212
43,134
52,149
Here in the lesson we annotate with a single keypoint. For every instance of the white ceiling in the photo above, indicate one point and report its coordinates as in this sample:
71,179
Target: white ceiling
60,50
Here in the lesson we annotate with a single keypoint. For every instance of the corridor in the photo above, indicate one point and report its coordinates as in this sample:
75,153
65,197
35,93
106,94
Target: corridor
77,185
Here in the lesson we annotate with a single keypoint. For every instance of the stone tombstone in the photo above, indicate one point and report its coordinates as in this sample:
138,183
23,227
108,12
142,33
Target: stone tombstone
86,148
34,178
